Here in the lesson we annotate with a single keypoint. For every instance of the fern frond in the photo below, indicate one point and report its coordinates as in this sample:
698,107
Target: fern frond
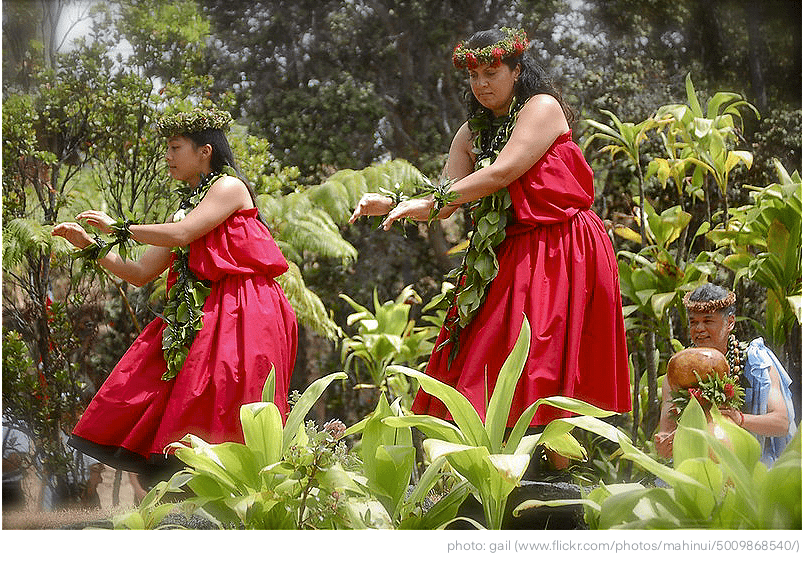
310,310
25,235
317,233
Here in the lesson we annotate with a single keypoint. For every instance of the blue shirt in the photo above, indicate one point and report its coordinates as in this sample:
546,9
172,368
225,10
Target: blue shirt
757,373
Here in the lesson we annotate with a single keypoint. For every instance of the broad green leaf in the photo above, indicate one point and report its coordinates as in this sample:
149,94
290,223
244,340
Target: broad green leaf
499,407
462,411
700,500
262,431
269,388
628,234
667,474
535,503
442,513
432,427
567,446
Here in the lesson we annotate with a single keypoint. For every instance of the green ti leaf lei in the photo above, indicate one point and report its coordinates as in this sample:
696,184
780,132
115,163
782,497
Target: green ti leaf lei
183,313
490,216
100,248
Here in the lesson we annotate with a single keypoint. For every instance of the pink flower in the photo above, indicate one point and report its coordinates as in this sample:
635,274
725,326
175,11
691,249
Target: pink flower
728,389
471,60
698,394
497,53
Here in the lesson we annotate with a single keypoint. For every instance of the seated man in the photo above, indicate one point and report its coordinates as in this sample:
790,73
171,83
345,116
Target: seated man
768,409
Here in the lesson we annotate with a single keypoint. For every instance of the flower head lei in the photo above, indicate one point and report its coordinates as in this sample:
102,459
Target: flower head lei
199,119
708,306
514,44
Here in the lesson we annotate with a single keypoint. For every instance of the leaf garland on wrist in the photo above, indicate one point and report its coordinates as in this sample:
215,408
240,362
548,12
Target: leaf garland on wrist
100,248
441,193
184,309
490,216
397,195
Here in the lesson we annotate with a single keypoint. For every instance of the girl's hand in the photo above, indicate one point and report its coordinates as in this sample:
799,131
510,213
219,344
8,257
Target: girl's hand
98,219
372,204
417,209
73,233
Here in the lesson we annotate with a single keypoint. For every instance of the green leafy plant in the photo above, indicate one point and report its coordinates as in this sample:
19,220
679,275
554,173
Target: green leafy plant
707,136
653,281
388,458
625,139
764,244
387,336
479,451
718,482
285,476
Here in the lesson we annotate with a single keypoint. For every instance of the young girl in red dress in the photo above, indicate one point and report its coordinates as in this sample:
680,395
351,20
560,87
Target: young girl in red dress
537,250
226,323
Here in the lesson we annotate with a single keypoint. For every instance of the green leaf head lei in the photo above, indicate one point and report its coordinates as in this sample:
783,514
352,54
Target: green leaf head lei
199,119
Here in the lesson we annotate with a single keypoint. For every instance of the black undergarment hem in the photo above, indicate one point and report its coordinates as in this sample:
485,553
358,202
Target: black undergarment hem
160,466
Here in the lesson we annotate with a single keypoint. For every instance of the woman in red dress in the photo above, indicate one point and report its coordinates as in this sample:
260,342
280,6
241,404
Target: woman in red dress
531,191
226,323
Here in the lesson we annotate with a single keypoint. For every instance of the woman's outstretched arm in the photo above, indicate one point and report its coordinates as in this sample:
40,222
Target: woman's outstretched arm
540,121
459,164
227,195
137,272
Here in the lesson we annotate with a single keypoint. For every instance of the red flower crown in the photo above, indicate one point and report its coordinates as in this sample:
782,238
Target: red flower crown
513,44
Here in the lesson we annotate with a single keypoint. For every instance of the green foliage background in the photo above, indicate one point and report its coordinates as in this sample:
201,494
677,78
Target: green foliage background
334,99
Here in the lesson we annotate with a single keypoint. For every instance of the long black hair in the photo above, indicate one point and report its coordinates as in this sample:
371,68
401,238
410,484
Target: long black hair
532,77
222,156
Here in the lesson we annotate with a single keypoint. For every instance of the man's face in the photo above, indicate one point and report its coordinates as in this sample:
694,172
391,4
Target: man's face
711,329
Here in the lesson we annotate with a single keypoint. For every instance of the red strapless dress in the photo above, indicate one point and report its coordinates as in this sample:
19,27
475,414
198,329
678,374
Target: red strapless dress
557,267
249,327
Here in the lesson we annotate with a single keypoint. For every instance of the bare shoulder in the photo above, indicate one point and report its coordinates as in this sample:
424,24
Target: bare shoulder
545,111
230,188
462,141
463,137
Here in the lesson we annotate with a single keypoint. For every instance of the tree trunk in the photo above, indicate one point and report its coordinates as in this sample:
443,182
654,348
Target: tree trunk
752,17
118,476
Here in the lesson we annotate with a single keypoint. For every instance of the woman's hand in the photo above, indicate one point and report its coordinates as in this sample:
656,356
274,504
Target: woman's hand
417,209
372,204
98,219
73,233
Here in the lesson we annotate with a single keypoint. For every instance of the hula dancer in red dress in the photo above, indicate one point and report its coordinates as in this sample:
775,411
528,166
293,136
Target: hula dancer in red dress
537,248
226,323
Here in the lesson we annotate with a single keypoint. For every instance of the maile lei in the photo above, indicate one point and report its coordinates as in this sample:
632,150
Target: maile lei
183,313
490,216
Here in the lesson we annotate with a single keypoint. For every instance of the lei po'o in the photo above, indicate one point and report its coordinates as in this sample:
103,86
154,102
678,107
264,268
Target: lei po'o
198,119
514,44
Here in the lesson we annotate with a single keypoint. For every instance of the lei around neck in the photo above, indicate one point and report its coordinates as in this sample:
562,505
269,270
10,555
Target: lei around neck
490,216
184,310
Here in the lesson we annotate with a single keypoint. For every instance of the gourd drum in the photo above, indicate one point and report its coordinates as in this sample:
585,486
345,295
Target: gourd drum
683,365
